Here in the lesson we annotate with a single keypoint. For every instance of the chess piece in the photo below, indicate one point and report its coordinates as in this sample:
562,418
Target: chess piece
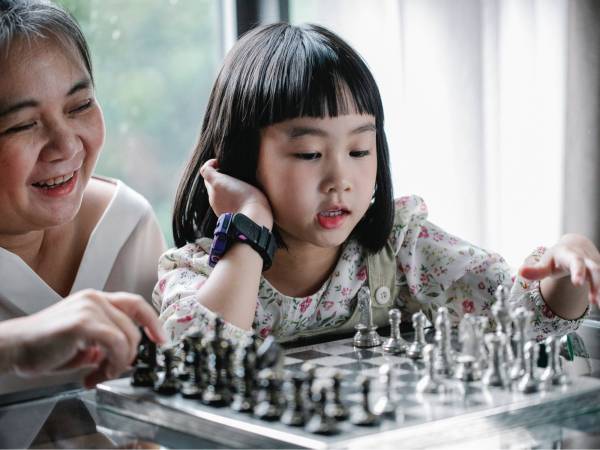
361,414
218,352
385,405
395,344
430,382
294,412
269,355
144,374
530,382
522,318
444,362
185,366
321,422
336,408
193,386
310,374
268,405
554,374
245,369
169,385
467,369
503,320
415,349
366,332
495,374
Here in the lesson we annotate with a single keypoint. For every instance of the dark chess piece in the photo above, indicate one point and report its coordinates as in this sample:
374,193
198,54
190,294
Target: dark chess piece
193,387
336,408
361,414
144,374
294,413
243,376
310,374
268,406
321,422
218,356
269,355
185,367
169,385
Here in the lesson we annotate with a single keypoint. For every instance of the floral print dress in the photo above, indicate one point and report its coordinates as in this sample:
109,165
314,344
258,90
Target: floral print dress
433,268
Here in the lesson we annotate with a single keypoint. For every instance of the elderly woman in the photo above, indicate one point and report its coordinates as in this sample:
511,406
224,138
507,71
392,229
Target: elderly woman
63,230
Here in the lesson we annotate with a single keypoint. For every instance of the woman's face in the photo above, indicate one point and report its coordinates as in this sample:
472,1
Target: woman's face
51,130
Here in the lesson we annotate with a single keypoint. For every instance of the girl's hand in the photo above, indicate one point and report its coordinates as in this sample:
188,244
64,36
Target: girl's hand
575,256
228,194
89,329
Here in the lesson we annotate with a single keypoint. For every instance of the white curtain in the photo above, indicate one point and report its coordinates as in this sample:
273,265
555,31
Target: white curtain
473,92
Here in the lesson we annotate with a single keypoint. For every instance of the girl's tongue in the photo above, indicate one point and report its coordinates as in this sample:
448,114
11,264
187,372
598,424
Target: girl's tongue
331,219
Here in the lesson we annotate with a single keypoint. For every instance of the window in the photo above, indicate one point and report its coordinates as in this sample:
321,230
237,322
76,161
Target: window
154,65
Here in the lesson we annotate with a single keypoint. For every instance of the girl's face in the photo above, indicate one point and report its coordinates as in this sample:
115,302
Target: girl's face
319,176
51,130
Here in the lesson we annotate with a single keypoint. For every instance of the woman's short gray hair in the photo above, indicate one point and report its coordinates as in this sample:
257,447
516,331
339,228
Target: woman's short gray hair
41,19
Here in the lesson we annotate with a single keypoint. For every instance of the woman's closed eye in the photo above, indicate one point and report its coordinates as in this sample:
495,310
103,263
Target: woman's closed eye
83,106
20,128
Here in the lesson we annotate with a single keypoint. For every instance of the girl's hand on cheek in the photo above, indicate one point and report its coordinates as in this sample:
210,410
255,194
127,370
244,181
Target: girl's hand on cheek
575,256
228,194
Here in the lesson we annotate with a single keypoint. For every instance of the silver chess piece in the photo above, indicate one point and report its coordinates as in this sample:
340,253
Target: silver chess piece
467,368
366,332
415,349
430,382
530,382
501,313
554,374
522,318
395,344
444,361
495,374
471,331
385,405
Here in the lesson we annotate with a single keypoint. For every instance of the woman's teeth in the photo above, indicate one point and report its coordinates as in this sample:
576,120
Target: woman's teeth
53,182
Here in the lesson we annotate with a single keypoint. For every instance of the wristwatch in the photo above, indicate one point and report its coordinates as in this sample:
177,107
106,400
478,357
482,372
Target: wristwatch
232,228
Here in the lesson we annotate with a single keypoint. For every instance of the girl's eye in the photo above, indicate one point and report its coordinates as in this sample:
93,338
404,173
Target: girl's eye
20,128
307,156
360,153
86,105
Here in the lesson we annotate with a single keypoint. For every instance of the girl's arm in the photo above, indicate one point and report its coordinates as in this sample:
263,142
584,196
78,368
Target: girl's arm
569,274
232,288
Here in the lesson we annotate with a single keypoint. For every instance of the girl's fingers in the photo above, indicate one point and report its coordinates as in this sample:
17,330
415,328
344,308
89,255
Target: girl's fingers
578,270
593,271
536,271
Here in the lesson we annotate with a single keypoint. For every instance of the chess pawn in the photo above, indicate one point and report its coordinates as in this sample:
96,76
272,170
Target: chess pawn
294,412
495,374
554,374
244,371
321,422
185,366
522,318
395,344
169,385
218,355
144,374
310,374
445,355
415,349
530,383
268,405
385,405
430,382
336,408
501,313
361,414
366,332
193,386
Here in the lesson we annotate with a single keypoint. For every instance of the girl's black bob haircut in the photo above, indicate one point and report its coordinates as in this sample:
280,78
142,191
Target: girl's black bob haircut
274,73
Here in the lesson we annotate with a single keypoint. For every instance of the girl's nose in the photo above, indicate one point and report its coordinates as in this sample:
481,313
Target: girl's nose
62,144
336,179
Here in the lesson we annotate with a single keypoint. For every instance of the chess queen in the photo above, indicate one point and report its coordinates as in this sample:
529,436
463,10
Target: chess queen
286,211
63,231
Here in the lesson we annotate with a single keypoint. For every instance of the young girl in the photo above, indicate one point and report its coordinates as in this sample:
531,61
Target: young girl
293,155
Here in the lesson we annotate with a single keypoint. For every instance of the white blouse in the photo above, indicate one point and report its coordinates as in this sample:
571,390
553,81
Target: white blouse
121,255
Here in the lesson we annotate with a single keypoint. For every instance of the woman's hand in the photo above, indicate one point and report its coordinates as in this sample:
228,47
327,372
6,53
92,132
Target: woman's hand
574,256
228,194
87,329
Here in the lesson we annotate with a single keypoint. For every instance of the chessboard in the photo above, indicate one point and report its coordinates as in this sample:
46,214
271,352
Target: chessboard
418,419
